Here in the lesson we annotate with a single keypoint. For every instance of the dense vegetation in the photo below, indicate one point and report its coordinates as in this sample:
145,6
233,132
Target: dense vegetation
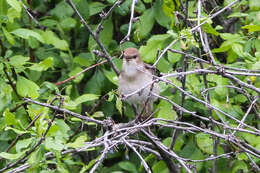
59,106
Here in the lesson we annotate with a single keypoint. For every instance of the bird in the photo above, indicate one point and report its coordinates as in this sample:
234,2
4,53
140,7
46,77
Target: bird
137,76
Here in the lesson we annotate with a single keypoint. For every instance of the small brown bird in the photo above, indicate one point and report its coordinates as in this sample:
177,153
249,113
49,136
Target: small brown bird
135,76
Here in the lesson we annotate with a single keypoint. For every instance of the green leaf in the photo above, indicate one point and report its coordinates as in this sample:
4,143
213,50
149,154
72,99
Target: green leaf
160,17
86,98
98,114
50,38
238,14
74,72
16,130
252,28
62,10
84,59
18,60
8,36
9,156
26,33
239,166
79,142
168,8
43,65
68,23
15,4
128,166
254,5
9,118
27,87
112,77
119,105
54,144
149,51
205,143
145,24
160,167
23,144
166,111
3,8
82,7
95,7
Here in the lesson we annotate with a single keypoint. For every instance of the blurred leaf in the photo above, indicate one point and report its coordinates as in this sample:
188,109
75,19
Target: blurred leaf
112,77
8,36
160,17
119,105
160,167
145,24
86,97
84,59
98,114
10,118
18,60
149,51
205,143
254,5
252,28
83,7
26,33
43,65
22,144
62,10
26,87
238,14
53,144
95,7
15,4
68,23
128,166
50,38
168,8
79,142
20,132
239,166
74,72
9,156
166,111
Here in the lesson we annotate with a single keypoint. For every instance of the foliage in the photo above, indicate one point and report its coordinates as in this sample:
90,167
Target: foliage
211,94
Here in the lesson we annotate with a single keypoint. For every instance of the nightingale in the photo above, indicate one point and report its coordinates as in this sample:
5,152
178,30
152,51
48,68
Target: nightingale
135,75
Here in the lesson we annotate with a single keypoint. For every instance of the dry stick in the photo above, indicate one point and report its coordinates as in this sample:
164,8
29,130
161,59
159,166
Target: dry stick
104,153
165,153
254,165
31,16
207,49
95,36
19,135
194,29
65,111
241,144
50,155
146,167
104,16
163,78
126,38
183,81
78,74
210,106
204,118
249,72
36,145
246,114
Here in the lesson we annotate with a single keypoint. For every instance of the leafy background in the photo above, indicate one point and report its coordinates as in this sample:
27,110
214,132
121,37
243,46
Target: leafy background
38,53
